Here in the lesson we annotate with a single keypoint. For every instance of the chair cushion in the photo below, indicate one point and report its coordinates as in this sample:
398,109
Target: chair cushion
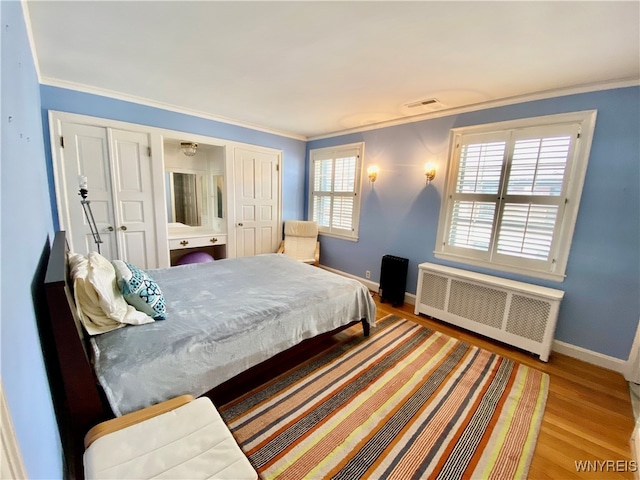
300,248
191,441
299,228
300,240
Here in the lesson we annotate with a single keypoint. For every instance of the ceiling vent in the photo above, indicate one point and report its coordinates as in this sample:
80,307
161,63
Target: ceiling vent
429,102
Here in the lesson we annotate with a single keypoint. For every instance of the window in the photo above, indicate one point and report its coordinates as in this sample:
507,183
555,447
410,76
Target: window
512,193
334,201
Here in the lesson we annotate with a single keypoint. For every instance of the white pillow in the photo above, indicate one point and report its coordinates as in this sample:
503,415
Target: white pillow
101,307
88,307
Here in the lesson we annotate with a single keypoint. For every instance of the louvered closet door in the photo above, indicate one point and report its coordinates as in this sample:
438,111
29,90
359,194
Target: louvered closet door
257,202
86,152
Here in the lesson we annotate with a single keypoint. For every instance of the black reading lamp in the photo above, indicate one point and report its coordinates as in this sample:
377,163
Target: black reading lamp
86,206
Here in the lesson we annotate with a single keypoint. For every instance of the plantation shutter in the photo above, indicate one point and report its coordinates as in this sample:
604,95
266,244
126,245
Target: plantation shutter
344,192
535,193
322,187
473,203
509,192
335,190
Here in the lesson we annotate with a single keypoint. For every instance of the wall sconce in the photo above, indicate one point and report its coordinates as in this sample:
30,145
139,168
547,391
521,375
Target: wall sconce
372,172
189,148
429,172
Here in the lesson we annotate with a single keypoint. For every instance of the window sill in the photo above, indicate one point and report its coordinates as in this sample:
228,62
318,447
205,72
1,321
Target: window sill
341,237
556,277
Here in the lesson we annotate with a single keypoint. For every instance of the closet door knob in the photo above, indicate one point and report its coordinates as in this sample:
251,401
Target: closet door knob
123,227
240,225
110,228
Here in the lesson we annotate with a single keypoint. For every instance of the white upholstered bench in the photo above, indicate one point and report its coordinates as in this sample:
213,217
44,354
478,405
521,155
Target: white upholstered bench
179,438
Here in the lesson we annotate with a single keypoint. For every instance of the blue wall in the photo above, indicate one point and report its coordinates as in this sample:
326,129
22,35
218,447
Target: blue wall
26,225
293,151
399,215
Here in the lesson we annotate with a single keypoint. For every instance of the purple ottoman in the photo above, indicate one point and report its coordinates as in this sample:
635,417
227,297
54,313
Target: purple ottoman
194,257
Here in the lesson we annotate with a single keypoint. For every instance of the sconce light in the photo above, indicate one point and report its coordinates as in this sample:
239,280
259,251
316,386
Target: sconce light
429,172
189,148
372,172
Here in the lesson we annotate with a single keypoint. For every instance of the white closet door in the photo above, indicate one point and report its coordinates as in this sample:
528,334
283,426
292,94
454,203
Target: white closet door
86,153
257,202
133,191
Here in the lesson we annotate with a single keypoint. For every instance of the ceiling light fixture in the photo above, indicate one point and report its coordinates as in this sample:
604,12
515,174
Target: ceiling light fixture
189,148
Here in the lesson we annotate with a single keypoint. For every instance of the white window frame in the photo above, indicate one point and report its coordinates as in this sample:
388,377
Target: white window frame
339,151
555,267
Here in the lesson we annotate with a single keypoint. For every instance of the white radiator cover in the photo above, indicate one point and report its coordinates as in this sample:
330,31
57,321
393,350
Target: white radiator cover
517,313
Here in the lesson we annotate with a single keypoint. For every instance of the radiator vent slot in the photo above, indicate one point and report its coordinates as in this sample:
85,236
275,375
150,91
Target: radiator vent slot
524,316
435,291
520,314
479,304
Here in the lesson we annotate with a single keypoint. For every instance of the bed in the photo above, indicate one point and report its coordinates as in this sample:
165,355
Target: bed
223,318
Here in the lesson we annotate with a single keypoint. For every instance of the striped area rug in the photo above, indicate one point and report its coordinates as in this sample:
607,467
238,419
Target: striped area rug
407,402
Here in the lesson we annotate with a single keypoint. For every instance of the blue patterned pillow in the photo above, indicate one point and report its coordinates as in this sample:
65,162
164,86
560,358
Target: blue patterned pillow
140,290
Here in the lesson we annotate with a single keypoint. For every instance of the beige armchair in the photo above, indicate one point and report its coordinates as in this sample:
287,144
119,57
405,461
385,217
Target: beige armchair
301,241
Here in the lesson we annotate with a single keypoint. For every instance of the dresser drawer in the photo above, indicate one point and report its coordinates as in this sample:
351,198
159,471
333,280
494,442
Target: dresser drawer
200,241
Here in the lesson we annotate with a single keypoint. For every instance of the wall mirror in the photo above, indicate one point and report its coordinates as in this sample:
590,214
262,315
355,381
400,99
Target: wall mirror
186,204
218,203
194,199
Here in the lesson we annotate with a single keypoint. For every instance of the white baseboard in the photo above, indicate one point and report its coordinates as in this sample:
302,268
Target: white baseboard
409,298
373,286
588,356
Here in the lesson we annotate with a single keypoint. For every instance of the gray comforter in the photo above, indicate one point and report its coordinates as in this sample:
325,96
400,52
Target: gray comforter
223,317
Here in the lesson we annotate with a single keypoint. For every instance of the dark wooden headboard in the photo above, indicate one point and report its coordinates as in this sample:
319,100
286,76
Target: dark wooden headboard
83,401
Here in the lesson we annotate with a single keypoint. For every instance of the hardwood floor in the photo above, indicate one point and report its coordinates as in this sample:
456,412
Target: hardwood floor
588,416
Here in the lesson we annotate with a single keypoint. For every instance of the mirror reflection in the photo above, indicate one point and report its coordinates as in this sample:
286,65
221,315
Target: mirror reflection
194,199
218,193
185,198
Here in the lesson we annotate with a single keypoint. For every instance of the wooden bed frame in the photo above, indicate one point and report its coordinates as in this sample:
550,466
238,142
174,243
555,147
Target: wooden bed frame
84,402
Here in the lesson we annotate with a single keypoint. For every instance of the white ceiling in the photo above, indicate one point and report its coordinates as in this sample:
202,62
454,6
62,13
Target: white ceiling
313,68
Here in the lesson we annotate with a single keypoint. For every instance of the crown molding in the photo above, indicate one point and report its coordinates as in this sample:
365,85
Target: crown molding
542,95
164,106
32,43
